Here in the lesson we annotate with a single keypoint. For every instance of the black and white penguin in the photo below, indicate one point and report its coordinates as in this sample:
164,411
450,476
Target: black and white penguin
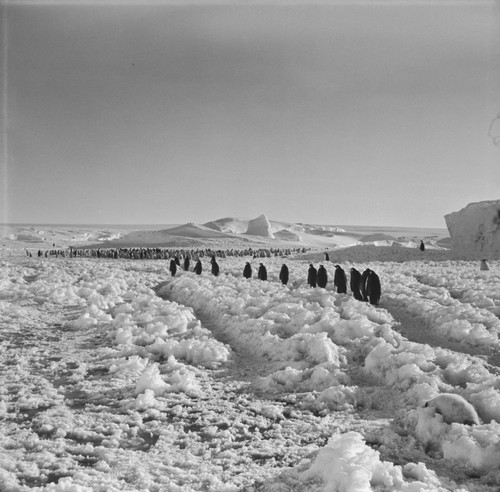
284,274
215,267
247,271
363,284
198,268
355,282
322,278
373,289
173,267
340,280
312,275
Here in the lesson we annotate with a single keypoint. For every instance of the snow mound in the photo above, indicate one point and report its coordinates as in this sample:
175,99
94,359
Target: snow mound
286,235
260,227
232,225
348,464
25,237
475,230
377,237
102,236
193,230
107,236
320,230
183,235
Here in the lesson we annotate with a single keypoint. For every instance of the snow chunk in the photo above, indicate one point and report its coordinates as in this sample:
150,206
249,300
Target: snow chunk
454,408
182,380
151,380
347,464
133,364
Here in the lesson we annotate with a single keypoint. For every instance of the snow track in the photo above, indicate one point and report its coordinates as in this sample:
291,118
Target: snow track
271,432
309,412
445,318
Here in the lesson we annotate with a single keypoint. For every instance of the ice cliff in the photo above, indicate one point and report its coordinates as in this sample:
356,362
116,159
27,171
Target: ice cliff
260,227
475,230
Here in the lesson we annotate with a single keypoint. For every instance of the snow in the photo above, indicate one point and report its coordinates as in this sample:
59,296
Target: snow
118,376
475,230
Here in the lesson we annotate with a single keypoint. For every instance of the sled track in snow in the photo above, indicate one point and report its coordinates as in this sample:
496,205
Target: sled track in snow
457,294
418,329
275,442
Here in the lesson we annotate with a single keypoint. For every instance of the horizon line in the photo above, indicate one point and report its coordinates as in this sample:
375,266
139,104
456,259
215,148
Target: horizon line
174,224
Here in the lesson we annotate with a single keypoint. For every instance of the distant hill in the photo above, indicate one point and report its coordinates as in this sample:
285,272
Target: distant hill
232,225
193,230
225,233
183,236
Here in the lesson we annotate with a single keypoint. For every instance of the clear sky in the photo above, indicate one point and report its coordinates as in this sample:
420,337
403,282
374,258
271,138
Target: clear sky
359,112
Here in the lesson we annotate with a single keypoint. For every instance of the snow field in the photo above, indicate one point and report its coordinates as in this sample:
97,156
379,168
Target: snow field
426,296
320,351
466,283
146,329
246,310
116,303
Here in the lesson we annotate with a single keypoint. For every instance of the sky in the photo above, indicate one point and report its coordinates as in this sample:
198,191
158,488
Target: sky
360,112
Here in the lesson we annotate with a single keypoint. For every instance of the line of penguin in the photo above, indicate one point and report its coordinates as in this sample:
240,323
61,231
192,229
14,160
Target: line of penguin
364,286
163,253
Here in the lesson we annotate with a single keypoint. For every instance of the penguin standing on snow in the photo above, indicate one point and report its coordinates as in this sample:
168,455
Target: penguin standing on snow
198,268
215,266
362,284
355,283
340,280
373,289
247,271
186,263
284,274
262,273
322,277
312,275
173,267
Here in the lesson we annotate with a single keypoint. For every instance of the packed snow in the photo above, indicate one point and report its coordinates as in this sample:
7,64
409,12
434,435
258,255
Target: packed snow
117,375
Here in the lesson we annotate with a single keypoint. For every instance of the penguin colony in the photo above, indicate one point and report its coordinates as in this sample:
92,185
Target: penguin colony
164,253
